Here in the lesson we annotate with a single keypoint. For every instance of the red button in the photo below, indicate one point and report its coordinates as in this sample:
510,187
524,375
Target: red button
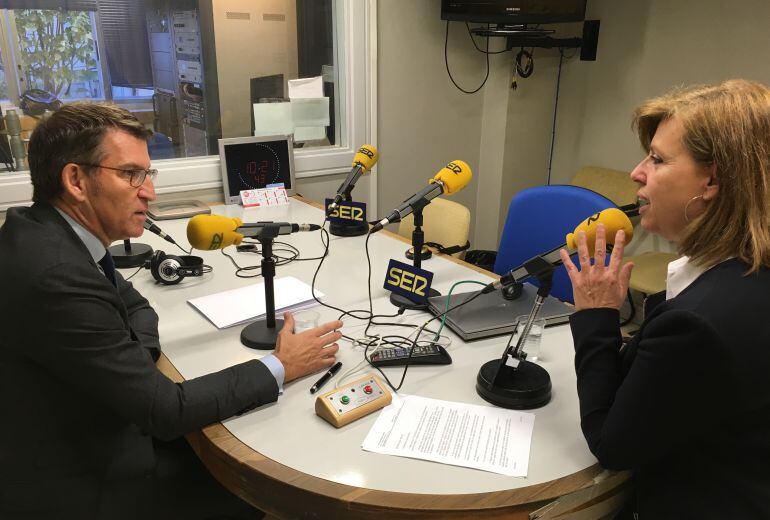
368,389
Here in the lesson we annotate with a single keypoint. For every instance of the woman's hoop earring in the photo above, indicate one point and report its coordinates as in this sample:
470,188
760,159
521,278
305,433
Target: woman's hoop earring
686,206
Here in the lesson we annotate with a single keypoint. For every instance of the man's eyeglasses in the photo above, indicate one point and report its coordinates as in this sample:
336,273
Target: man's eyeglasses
135,177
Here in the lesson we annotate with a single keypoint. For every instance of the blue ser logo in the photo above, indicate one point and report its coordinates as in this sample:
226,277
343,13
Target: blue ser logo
408,281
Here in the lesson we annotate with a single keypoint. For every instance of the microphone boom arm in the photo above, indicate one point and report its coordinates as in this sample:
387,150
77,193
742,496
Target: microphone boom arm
346,188
273,229
535,266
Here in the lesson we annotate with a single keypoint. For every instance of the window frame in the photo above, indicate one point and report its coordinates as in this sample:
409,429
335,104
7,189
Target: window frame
355,49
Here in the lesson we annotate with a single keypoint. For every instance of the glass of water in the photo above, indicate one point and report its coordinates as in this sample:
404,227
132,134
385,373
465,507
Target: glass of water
534,339
305,320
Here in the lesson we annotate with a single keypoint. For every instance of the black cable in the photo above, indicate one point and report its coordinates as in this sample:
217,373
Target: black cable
134,273
446,62
185,252
343,312
414,341
555,108
394,339
526,69
252,247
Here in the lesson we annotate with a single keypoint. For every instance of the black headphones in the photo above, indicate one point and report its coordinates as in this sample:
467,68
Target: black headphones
170,269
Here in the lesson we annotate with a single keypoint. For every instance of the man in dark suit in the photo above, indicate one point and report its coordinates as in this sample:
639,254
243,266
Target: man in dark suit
87,416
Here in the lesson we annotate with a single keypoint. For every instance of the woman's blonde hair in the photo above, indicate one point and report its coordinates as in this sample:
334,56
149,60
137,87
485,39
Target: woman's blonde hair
727,125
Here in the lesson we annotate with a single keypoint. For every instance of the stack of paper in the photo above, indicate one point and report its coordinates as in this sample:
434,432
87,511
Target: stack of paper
481,437
244,304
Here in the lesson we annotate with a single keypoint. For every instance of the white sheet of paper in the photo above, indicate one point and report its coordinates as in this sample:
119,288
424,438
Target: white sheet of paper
306,87
237,306
272,118
310,111
469,435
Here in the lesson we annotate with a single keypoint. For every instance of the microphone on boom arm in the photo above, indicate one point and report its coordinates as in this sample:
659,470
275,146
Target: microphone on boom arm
209,232
450,179
363,162
614,219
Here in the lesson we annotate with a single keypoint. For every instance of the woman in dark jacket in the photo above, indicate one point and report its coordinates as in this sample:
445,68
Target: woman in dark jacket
686,403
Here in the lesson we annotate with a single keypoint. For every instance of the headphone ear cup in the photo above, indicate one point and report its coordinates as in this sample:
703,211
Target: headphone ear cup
165,268
154,262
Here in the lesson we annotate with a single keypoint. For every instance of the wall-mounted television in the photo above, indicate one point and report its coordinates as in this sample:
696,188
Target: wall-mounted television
514,12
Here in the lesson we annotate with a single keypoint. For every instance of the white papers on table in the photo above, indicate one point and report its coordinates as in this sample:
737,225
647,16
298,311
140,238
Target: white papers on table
237,306
469,435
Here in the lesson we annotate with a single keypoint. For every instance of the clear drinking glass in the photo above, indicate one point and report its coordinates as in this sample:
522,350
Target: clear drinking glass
534,339
304,320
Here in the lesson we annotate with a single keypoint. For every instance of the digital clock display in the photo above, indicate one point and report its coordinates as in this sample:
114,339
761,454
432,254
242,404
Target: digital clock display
252,163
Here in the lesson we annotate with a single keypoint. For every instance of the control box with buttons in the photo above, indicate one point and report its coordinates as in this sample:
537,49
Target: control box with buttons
352,401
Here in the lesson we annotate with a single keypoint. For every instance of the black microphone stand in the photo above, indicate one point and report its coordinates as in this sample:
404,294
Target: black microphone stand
130,255
262,333
418,239
352,229
512,381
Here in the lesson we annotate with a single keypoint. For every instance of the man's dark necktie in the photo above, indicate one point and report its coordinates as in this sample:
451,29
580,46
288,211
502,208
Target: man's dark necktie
108,266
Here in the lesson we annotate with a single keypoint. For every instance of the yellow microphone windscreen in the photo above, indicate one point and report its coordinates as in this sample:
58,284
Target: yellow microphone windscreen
454,176
613,219
366,156
207,232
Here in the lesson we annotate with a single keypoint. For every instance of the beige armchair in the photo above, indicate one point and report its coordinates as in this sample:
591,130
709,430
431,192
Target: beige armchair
444,221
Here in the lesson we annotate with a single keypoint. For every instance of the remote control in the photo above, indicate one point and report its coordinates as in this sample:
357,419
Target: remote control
421,355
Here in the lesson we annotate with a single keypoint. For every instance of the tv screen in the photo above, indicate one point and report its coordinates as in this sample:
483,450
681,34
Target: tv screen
514,12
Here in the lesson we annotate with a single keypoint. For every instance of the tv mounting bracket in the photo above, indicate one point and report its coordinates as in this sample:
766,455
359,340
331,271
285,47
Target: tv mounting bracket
521,36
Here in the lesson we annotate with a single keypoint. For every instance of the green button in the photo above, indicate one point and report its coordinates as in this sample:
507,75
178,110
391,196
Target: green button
344,399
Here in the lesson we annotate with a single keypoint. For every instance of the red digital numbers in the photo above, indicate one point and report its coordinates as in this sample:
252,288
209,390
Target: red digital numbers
259,171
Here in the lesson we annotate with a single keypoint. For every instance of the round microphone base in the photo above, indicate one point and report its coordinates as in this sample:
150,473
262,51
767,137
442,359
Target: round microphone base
259,336
523,388
348,230
406,303
426,253
130,255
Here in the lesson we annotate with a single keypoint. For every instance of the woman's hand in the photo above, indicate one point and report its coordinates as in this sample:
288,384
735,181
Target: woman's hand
598,285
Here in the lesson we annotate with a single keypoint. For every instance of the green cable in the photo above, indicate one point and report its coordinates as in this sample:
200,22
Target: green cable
446,308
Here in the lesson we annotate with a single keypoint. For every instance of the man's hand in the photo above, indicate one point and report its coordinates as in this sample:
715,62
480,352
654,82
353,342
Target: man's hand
309,351
598,285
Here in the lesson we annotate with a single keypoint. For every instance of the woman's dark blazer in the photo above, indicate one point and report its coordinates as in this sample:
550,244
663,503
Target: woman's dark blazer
686,404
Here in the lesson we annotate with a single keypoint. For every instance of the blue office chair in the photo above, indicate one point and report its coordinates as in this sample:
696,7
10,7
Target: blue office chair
538,220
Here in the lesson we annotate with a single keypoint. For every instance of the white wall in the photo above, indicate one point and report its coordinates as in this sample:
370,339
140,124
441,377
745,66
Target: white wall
645,48
423,120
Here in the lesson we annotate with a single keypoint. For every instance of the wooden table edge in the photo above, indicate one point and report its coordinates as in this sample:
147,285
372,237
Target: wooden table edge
253,476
